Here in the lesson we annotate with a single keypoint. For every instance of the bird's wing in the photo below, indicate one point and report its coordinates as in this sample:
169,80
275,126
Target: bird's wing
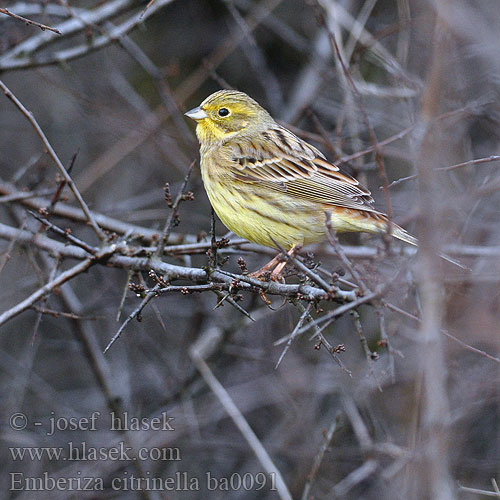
281,161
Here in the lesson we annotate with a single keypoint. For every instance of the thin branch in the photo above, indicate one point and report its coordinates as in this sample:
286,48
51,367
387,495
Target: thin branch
227,298
354,478
134,314
369,355
44,290
61,314
318,332
197,355
385,342
397,309
151,2
319,457
477,491
124,295
53,273
478,161
25,195
173,214
6,255
68,27
16,58
358,426
359,100
56,159
332,238
77,214
449,114
328,318
61,186
294,333
43,27
65,234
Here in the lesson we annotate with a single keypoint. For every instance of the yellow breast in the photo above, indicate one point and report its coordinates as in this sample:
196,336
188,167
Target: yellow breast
261,215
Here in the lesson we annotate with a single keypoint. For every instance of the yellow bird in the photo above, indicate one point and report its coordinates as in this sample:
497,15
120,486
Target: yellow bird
267,185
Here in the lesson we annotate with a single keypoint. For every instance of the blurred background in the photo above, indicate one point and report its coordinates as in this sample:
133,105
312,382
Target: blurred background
413,412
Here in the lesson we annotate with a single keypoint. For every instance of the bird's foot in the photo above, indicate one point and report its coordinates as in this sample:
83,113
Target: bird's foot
270,272
265,272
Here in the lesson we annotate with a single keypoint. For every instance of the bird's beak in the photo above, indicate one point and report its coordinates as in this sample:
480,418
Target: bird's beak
196,114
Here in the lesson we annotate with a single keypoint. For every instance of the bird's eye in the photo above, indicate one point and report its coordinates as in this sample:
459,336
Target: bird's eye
223,112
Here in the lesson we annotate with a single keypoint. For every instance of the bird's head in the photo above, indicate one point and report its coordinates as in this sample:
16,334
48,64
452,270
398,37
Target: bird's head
226,114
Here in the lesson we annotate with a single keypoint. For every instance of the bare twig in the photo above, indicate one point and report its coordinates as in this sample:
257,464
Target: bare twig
134,314
373,138
62,314
407,314
173,214
477,491
43,27
74,213
314,277
124,295
65,234
292,336
369,355
318,332
477,161
332,238
7,254
44,290
16,58
151,2
464,110
354,478
386,343
319,457
197,352
56,159
358,425
24,196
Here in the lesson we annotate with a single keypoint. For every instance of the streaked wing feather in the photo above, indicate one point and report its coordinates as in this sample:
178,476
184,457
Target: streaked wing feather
284,162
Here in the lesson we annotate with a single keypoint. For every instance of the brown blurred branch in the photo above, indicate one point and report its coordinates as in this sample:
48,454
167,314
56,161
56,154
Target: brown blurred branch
434,403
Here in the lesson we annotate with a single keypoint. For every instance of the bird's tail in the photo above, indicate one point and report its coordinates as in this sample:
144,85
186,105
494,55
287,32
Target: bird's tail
403,235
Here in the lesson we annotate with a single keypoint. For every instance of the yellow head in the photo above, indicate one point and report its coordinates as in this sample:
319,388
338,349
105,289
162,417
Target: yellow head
226,114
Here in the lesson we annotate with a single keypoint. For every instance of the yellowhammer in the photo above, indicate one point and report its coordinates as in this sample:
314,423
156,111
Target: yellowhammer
267,185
